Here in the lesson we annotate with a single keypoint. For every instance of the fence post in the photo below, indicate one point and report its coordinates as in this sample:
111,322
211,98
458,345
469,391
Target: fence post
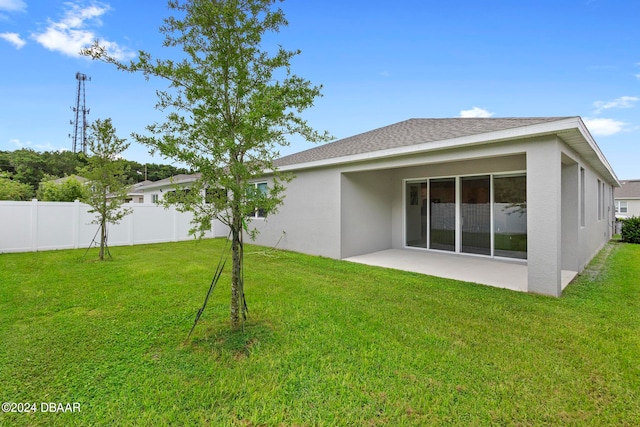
131,226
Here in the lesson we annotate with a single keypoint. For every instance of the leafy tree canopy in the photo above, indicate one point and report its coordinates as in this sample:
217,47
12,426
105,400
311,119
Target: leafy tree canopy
11,189
32,167
231,102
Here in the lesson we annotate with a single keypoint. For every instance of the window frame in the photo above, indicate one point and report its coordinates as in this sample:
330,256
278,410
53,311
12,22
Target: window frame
583,220
259,212
600,200
619,206
423,241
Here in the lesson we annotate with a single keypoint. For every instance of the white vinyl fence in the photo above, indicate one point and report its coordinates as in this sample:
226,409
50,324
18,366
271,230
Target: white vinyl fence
40,226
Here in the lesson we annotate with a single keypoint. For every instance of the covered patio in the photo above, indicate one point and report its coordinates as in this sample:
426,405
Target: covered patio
476,269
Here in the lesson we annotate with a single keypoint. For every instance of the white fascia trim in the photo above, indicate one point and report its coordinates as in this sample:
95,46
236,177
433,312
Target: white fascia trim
158,184
594,146
482,138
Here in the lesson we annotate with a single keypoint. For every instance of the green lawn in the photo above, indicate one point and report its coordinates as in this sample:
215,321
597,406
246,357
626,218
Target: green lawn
327,343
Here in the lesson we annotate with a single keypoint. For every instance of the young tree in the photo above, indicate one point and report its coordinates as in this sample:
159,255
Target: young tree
231,102
106,188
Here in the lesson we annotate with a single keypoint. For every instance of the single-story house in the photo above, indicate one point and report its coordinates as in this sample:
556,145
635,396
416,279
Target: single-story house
156,191
627,199
535,193
135,193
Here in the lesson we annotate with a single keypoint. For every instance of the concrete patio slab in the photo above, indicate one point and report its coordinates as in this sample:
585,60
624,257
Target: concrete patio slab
486,271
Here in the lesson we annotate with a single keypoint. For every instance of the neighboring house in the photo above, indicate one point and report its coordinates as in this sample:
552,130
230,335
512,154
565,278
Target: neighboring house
135,193
156,191
536,191
627,199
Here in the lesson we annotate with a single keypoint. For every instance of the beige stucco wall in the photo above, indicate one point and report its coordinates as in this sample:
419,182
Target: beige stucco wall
366,214
633,207
309,220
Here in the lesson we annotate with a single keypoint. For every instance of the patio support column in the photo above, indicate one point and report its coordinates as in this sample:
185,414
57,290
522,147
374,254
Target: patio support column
544,217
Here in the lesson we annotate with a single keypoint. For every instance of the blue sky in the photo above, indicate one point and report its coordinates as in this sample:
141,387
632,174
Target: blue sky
379,62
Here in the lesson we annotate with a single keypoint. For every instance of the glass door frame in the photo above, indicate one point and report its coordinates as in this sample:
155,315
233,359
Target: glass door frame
458,209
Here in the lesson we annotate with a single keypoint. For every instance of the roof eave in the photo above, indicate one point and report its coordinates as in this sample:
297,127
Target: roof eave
540,129
602,165
166,183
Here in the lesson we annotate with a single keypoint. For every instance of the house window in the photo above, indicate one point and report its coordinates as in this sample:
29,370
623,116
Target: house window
177,196
259,190
582,192
599,206
604,201
213,195
621,206
154,198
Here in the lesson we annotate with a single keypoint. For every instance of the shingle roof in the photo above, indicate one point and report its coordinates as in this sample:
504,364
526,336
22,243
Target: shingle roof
409,132
628,190
176,179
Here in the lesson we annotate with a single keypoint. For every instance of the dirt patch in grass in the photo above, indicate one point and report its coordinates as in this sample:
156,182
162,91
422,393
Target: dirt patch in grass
238,344
595,267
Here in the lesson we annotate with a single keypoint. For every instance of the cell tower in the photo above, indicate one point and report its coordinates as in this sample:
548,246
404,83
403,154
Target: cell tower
80,116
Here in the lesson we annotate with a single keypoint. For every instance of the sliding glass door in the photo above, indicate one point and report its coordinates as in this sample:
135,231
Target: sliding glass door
442,214
460,214
475,214
510,216
416,208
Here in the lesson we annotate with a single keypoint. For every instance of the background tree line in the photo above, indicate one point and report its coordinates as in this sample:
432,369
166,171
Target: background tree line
23,171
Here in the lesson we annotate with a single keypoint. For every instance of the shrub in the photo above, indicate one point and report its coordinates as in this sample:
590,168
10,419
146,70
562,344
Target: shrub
631,230
66,191
11,189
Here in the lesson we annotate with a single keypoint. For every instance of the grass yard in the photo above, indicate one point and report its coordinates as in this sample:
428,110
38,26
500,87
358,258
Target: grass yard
327,343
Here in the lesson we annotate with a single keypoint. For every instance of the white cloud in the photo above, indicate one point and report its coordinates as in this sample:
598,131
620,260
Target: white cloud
604,127
73,32
638,76
13,5
116,51
384,73
19,143
14,39
40,147
622,102
49,147
475,112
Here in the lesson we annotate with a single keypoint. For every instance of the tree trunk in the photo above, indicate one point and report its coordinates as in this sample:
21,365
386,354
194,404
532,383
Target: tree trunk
103,236
236,270
235,280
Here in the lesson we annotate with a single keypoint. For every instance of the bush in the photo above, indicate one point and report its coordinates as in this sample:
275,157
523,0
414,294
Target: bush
631,230
11,189
66,191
